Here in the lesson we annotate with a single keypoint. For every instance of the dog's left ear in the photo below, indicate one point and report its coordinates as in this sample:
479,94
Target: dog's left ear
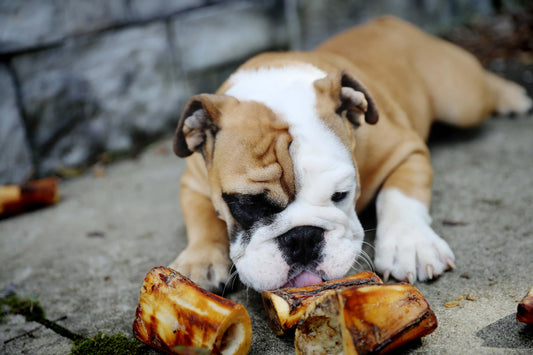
199,123
355,100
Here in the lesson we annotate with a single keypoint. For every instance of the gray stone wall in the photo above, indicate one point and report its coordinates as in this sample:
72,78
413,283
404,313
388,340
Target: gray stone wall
15,153
83,77
79,78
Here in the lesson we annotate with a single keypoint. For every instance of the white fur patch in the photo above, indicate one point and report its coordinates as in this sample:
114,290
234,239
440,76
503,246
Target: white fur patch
406,246
322,166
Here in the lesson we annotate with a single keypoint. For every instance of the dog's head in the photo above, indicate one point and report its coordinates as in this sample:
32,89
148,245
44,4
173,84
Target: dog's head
277,147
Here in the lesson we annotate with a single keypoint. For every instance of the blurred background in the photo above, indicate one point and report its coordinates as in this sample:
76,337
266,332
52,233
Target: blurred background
86,82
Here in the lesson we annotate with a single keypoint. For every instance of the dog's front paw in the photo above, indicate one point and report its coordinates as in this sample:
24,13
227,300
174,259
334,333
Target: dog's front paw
406,246
208,267
411,251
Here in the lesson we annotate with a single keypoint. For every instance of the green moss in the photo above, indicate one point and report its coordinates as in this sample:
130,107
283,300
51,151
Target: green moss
29,308
33,312
102,344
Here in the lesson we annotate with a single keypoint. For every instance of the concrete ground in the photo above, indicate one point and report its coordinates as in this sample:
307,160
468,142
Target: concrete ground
86,257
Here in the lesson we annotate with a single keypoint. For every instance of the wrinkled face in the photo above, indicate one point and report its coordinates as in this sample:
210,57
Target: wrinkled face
283,178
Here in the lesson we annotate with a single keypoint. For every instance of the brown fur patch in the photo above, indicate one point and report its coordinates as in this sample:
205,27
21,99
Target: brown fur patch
253,144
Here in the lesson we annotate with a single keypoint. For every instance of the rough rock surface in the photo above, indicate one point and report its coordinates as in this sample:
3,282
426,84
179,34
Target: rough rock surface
99,94
15,153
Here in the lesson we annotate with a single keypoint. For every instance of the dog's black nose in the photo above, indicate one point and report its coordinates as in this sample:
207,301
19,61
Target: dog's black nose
302,244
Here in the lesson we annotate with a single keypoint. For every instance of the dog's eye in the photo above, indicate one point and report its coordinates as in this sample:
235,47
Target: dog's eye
339,196
247,209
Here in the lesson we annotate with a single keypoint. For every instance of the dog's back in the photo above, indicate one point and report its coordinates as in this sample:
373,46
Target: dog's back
430,78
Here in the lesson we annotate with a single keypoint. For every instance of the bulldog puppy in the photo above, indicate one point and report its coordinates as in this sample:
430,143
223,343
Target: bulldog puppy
290,148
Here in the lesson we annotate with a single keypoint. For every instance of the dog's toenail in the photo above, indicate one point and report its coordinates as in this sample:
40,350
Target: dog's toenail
429,271
410,278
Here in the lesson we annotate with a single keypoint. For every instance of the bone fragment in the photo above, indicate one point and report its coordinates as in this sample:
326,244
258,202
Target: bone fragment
286,306
177,316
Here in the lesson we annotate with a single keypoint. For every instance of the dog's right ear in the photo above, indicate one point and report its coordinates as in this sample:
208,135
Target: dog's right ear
198,124
357,101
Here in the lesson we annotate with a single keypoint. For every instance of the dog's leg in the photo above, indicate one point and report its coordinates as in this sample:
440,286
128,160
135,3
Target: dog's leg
206,258
510,98
407,248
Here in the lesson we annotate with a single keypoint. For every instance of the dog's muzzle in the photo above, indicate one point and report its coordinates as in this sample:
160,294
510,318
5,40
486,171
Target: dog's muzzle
301,246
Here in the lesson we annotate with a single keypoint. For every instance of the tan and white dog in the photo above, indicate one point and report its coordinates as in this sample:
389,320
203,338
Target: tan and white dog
290,148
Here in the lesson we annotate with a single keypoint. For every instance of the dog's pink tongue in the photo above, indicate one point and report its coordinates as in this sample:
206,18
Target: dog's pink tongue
305,278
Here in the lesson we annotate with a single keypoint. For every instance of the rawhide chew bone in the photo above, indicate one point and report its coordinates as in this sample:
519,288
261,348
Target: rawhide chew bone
370,319
285,306
174,313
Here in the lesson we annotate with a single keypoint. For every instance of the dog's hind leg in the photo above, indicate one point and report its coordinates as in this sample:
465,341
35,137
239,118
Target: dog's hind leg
490,94
461,91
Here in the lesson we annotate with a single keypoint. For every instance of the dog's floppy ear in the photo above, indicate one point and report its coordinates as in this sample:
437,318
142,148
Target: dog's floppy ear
356,101
198,123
